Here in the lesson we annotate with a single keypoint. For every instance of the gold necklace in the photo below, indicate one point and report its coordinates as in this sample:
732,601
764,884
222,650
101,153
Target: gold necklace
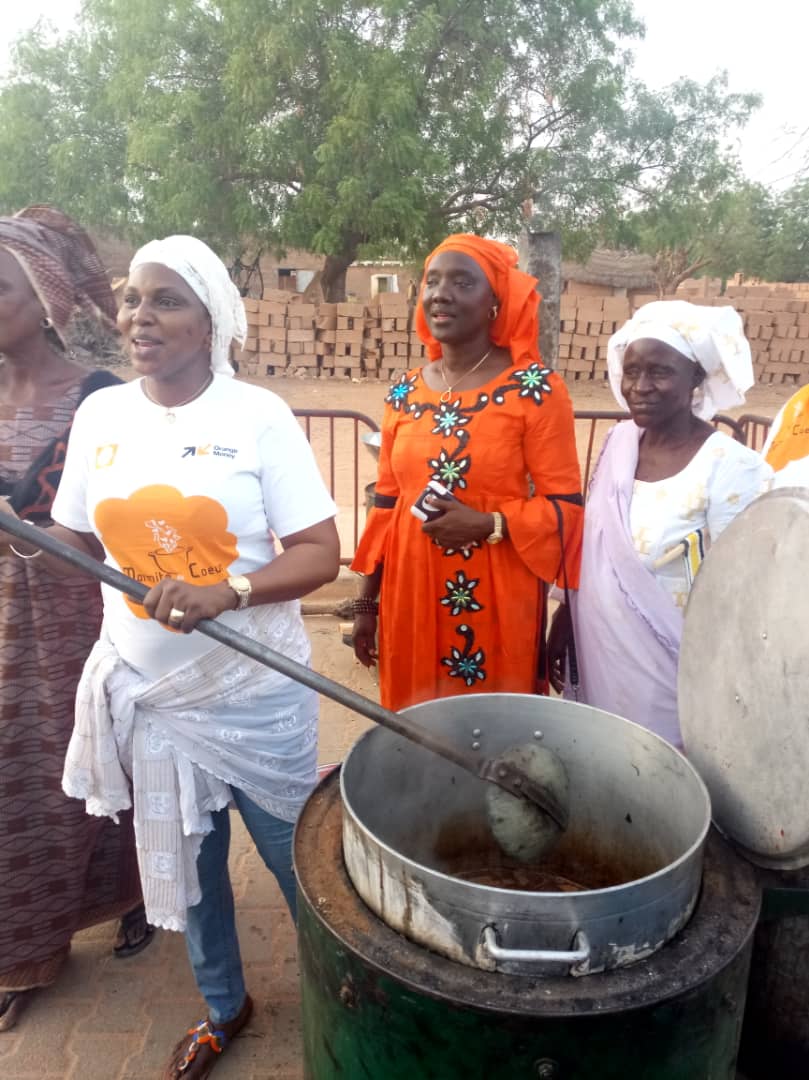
170,415
446,396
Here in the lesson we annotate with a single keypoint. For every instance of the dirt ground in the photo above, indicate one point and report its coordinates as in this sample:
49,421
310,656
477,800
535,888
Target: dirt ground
339,727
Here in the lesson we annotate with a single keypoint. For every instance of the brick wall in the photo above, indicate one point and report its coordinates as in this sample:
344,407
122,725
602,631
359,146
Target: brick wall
776,322
351,340
374,339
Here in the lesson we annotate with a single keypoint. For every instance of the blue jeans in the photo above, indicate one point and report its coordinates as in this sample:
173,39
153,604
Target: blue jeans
213,945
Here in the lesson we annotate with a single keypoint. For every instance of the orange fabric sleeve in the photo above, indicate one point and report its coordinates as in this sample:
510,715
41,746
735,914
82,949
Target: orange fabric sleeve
373,542
553,464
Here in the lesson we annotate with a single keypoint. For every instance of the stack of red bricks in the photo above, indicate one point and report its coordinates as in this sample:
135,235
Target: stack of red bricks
398,345
349,340
587,323
776,322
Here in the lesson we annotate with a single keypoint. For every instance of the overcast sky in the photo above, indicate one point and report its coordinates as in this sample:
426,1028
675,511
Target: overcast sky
762,46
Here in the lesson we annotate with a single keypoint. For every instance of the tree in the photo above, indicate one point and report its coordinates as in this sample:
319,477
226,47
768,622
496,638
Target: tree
346,127
722,226
788,258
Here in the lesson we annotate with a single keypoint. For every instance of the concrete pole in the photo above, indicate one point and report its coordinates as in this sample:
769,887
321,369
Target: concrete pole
541,256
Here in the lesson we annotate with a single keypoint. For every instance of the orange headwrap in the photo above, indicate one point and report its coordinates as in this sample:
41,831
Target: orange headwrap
517,324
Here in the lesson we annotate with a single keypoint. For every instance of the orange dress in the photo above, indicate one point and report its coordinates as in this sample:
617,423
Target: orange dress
452,621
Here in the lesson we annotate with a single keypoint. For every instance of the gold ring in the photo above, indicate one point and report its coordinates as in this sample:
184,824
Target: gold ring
176,616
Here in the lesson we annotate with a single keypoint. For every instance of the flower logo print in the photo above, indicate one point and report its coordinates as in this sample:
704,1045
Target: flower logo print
165,536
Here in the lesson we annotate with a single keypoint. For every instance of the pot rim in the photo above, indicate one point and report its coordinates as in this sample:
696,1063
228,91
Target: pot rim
487,890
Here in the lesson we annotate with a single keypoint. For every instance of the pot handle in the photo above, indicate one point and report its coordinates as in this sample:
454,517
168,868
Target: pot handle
577,959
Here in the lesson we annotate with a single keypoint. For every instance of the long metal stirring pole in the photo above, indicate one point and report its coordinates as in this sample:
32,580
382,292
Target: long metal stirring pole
491,769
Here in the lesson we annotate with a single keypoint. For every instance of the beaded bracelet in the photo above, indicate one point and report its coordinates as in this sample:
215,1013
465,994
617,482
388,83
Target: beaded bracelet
364,605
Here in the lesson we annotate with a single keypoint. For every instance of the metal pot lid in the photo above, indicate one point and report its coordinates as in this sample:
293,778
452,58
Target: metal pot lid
744,679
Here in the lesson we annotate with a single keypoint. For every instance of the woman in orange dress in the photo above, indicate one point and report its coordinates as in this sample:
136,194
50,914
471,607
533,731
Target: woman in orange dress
460,599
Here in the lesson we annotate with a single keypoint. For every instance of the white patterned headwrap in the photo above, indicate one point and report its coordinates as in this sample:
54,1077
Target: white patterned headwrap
710,336
207,275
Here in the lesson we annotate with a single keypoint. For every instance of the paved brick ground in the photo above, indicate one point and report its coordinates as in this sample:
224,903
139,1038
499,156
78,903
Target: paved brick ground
109,1019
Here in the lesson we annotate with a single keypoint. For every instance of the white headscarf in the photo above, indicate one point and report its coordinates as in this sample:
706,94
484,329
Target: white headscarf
710,336
207,275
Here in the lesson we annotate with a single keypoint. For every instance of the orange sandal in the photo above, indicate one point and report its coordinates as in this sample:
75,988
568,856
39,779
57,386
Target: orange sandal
195,1059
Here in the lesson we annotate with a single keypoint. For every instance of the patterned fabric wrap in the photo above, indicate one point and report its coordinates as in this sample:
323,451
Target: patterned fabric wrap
183,740
205,273
32,494
61,263
60,870
517,324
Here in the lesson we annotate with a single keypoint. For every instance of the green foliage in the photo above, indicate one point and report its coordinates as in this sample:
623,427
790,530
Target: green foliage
788,236
347,127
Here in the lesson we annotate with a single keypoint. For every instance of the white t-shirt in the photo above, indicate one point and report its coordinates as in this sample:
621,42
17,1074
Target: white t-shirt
196,499
721,479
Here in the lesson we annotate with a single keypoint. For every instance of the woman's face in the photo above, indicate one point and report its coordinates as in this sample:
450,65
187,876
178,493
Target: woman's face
21,312
457,298
164,324
657,382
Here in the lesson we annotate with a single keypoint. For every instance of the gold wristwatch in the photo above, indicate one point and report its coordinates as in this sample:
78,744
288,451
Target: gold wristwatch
242,587
496,535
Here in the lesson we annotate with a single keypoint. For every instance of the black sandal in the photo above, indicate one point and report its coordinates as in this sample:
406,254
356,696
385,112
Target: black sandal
134,933
12,1004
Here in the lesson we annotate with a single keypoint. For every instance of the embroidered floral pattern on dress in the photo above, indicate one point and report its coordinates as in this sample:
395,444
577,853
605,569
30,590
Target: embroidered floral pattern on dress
467,663
460,596
450,468
465,552
530,382
449,419
398,396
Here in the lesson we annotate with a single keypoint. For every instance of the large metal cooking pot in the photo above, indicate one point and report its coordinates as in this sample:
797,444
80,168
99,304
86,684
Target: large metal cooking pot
623,880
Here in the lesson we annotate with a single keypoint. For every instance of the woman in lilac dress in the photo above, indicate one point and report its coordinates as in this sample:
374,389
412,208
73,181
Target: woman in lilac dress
665,486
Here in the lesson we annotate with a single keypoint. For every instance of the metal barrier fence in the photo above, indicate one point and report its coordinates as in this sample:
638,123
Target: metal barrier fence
347,471
755,428
338,454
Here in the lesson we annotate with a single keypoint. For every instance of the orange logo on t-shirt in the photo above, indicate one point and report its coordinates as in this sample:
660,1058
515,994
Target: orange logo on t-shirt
158,532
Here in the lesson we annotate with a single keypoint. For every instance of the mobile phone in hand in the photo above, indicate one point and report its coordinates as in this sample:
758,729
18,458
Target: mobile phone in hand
423,509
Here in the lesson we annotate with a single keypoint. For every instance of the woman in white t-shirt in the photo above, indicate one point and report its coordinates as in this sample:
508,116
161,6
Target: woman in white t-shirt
665,486
183,479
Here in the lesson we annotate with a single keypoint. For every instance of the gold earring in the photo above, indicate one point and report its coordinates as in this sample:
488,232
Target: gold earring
494,311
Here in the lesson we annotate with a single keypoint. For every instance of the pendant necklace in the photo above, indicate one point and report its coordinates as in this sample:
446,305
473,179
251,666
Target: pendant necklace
170,415
446,396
